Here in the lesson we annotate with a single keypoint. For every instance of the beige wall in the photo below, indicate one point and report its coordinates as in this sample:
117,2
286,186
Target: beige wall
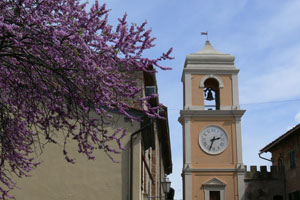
55,179
201,159
225,93
225,160
197,92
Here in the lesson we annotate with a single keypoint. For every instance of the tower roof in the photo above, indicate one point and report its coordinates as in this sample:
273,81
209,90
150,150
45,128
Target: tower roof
208,49
208,55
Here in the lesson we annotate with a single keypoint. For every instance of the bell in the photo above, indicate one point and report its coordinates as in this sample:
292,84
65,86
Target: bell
209,96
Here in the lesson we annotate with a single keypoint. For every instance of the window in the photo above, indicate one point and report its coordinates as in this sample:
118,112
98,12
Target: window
280,162
294,195
297,195
278,197
292,159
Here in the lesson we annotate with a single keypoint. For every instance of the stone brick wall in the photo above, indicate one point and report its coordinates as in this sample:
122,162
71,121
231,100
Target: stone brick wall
263,184
282,152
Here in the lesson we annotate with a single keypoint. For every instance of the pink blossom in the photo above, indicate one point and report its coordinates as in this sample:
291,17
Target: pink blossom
59,64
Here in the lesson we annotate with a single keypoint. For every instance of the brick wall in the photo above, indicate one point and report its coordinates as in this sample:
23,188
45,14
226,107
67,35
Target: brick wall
263,184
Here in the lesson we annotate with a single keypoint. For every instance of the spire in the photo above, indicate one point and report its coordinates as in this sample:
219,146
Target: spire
208,49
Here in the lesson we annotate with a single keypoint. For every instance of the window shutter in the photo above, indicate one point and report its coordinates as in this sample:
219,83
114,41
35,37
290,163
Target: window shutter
292,159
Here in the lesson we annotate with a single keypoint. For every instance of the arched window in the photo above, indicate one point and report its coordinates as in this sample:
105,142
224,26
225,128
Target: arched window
211,94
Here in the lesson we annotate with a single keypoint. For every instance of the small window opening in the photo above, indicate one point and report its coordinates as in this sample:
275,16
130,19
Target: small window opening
280,162
214,195
211,94
278,197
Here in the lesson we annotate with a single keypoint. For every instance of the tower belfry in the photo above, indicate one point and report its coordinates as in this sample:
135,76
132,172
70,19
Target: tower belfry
211,119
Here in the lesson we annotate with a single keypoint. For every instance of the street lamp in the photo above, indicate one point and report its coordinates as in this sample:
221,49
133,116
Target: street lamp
166,185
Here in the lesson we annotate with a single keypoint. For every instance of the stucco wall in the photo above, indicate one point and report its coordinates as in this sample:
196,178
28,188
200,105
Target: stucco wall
225,93
228,178
201,159
55,179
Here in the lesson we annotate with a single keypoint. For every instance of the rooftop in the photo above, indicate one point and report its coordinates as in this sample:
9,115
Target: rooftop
208,49
208,55
290,132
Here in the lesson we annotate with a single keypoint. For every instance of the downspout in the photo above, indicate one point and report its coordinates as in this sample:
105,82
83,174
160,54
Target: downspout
160,193
263,157
284,179
131,154
150,180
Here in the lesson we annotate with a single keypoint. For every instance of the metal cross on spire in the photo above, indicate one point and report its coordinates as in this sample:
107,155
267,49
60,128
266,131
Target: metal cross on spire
205,33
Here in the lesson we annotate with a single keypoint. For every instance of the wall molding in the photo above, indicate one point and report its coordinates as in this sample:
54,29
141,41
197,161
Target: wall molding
204,78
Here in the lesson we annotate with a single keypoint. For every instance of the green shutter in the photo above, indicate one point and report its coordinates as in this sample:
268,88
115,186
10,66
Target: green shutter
292,159
297,195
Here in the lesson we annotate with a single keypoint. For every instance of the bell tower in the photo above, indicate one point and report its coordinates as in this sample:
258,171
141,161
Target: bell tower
211,119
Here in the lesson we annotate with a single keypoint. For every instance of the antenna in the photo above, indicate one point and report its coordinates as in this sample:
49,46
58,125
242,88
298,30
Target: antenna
205,33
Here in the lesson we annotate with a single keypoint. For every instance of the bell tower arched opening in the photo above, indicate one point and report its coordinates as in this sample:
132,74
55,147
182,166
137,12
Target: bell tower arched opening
211,94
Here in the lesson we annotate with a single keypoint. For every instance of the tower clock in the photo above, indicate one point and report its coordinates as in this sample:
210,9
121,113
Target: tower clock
211,119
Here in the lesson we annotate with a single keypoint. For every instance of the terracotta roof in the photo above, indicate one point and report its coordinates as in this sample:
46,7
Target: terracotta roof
281,138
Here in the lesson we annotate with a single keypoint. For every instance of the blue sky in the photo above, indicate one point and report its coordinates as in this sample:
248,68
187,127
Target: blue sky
264,37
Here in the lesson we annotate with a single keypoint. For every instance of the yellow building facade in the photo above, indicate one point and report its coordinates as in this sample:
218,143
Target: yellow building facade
138,175
211,119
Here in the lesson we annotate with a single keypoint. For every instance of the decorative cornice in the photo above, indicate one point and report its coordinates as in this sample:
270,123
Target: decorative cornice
212,113
214,182
210,70
190,170
195,58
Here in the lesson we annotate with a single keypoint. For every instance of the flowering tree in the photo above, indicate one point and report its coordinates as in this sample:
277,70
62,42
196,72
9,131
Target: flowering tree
59,63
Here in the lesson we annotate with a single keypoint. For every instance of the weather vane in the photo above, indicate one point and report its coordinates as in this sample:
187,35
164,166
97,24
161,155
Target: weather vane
205,33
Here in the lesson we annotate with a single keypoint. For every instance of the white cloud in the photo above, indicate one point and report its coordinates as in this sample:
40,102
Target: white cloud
280,83
297,117
271,26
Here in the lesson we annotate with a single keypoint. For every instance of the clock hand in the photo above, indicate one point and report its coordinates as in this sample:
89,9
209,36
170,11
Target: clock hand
218,138
212,141
214,138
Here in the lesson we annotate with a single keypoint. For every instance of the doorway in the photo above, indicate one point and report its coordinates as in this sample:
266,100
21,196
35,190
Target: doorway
214,195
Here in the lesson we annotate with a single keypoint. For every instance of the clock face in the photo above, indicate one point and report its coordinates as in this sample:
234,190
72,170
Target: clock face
213,140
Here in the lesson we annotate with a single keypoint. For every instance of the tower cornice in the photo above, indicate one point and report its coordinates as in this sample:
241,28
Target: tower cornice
208,70
218,59
211,70
211,113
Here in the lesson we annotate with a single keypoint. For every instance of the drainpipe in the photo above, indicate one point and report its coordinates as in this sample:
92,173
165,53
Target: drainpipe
131,154
284,178
150,180
263,157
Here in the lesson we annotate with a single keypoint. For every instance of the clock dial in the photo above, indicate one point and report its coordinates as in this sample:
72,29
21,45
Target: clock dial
213,140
